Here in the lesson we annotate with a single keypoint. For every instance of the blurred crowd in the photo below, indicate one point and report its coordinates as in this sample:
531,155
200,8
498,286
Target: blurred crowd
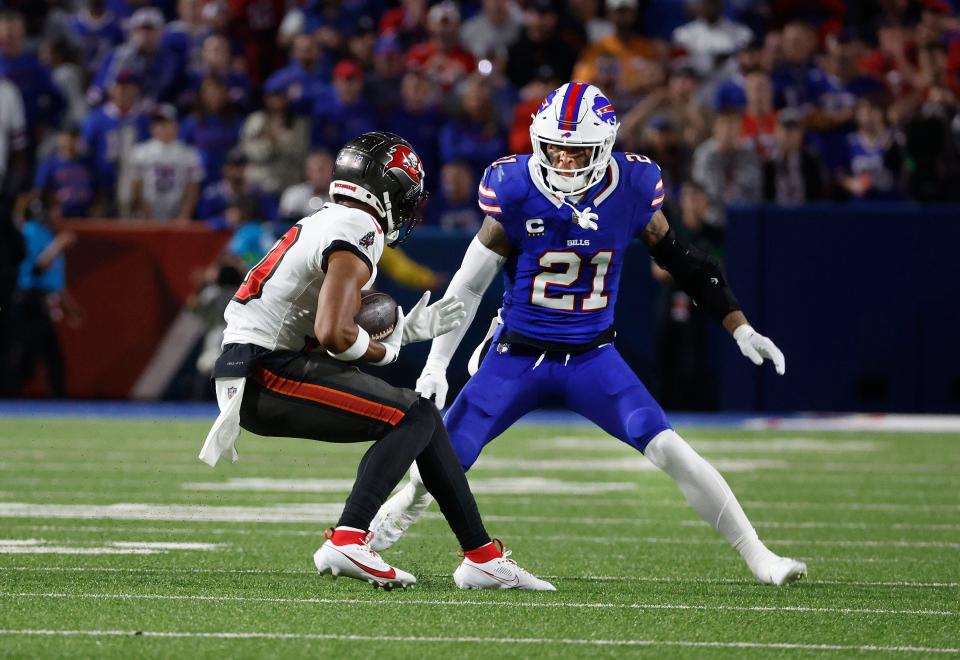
229,110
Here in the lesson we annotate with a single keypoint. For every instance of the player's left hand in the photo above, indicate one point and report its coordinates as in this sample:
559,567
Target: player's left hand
423,322
756,347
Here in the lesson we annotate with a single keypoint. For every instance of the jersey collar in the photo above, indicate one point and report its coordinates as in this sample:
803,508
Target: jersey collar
607,185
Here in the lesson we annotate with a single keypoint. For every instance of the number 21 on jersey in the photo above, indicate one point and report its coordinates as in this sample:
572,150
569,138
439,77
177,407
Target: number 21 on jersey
570,262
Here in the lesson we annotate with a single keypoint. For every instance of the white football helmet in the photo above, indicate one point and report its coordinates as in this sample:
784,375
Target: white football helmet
576,114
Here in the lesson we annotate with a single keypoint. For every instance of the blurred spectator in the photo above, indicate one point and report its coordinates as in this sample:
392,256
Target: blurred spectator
539,46
457,204
677,102
347,114
727,170
304,199
442,57
531,96
218,196
759,118
158,70
41,100
418,120
490,33
893,60
792,76
13,145
306,76
628,53
275,139
682,333
214,128
874,159
38,302
362,42
933,147
252,237
662,143
166,172
473,136
408,22
383,86
215,63
66,178
794,173
185,36
68,77
587,14
110,132
96,31
253,25
711,38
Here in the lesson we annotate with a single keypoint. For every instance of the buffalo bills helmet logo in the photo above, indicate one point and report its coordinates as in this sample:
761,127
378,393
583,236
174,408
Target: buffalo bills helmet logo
604,110
403,158
545,103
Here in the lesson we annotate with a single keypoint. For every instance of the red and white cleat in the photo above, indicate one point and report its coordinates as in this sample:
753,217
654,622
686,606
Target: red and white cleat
346,552
489,567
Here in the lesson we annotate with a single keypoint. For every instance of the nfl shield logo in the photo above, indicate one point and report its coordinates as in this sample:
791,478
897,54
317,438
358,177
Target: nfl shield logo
231,391
502,348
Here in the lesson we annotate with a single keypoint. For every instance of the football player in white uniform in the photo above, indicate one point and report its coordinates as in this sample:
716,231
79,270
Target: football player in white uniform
305,294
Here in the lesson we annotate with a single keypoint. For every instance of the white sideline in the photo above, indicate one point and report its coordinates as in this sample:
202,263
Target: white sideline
587,578
478,603
482,640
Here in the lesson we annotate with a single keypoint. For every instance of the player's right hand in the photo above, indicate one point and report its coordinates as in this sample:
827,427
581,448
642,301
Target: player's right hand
433,383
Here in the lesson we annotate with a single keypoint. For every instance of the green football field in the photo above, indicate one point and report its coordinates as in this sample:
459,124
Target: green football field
116,542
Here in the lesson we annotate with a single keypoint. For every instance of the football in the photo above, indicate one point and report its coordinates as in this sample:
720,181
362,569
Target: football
377,315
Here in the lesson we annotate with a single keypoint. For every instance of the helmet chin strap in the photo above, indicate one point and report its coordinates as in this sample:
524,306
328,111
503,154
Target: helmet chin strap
388,214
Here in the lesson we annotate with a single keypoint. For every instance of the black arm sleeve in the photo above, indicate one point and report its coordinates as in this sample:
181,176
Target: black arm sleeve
697,273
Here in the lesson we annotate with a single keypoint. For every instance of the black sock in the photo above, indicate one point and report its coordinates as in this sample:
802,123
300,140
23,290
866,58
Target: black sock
444,478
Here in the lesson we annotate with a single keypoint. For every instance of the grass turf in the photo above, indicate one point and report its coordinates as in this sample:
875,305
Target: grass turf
638,574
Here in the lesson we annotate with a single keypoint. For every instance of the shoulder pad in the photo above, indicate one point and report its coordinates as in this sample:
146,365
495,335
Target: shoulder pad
643,177
503,182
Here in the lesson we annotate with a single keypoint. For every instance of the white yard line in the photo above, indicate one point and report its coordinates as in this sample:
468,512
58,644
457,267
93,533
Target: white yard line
481,603
539,641
588,578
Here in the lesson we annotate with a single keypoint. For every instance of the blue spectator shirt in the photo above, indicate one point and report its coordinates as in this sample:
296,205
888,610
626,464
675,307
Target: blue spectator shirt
334,124
161,75
213,136
71,182
470,142
251,242
96,37
217,197
42,103
422,130
36,237
102,134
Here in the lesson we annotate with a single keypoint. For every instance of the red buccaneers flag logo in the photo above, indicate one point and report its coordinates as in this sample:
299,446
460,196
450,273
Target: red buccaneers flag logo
403,158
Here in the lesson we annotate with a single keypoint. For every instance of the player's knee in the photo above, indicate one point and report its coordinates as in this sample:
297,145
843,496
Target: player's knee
642,425
667,450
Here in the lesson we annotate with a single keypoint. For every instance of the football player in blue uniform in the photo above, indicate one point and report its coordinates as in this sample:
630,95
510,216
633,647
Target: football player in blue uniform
557,224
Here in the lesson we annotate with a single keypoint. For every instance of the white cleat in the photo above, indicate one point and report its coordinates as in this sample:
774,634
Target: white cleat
359,561
780,571
397,514
498,573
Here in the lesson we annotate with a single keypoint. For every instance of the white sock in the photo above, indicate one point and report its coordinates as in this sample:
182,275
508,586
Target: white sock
709,495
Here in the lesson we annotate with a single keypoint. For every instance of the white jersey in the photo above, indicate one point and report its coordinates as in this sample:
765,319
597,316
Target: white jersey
276,305
165,170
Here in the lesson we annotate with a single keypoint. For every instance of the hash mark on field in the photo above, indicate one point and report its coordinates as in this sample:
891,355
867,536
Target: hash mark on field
481,603
483,640
588,578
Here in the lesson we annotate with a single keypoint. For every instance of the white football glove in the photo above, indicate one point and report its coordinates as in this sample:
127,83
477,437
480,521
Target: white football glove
393,341
587,219
756,347
423,323
433,383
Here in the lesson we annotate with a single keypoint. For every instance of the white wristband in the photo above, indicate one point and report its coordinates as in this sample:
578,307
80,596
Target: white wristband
357,350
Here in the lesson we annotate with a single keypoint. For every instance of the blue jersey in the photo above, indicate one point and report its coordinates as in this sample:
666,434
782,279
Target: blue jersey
560,285
71,182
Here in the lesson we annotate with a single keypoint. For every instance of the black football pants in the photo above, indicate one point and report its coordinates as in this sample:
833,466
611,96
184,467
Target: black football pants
311,395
